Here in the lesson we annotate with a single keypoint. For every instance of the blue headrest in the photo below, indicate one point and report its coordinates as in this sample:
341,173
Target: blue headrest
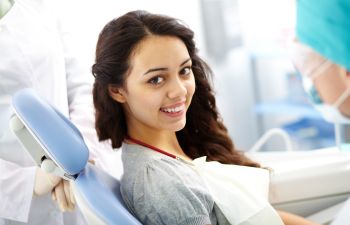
54,132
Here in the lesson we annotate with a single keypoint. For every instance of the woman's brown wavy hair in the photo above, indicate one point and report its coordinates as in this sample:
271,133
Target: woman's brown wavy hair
204,133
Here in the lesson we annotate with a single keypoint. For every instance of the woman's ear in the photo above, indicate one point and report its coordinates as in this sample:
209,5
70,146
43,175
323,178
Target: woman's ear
117,94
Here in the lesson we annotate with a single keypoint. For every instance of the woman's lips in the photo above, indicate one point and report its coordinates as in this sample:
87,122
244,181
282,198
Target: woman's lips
174,110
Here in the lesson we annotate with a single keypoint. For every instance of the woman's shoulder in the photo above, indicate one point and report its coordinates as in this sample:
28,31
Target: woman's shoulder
147,166
153,180
136,156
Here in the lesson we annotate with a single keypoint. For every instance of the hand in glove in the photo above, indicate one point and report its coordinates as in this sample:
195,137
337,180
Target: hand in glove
63,194
44,182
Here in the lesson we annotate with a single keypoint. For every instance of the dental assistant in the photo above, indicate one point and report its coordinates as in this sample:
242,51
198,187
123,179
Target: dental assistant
35,53
322,55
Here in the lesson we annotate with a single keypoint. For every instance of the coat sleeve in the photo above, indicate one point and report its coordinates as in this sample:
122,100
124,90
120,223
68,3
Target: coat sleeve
16,177
81,110
16,190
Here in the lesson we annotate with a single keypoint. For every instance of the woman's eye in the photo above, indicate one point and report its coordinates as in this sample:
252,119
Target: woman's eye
156,80
186,70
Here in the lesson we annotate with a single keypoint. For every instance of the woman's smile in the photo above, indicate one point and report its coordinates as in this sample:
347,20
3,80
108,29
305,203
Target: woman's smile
175,110
159,86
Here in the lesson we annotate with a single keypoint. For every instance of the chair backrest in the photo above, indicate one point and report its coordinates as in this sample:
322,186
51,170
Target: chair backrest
46,133
99,196
56,135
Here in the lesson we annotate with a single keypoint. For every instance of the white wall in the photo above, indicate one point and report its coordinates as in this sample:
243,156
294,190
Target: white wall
86,18
265,25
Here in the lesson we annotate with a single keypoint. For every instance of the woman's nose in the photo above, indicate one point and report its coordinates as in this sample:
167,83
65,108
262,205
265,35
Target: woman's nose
177,89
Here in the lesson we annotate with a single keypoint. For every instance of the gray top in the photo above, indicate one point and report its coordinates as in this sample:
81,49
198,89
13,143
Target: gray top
161,190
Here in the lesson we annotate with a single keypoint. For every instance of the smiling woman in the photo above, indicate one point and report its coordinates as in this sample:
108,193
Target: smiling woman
159,88
153,97
154,59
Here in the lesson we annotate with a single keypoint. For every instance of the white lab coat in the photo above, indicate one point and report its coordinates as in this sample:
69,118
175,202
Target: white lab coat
34,52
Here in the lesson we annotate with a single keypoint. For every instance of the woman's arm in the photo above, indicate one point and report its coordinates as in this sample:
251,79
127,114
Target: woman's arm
291,219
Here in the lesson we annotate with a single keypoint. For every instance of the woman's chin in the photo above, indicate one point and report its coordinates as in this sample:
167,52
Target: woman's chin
179,126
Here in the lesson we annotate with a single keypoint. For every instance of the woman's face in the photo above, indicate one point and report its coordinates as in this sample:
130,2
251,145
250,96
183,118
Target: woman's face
159,86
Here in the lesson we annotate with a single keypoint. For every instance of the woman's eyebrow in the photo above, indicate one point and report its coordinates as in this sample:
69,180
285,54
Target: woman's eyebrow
164,68
155,69
184,62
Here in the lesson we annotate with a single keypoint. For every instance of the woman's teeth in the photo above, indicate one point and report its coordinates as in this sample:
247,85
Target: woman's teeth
173,110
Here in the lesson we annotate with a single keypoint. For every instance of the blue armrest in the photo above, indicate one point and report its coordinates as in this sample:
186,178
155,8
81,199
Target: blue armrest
58,137
48,135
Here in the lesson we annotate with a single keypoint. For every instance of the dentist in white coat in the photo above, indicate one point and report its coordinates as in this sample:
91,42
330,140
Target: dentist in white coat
35,53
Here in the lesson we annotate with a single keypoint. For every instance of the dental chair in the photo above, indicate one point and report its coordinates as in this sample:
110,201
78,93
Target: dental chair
313,184
57,146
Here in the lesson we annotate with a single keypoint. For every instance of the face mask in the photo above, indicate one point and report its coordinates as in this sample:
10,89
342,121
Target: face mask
312,65
330,113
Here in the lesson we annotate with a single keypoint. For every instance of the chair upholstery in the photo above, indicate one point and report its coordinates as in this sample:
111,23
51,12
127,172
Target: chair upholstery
48,135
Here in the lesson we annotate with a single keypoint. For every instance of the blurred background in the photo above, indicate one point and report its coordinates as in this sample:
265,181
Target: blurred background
246,44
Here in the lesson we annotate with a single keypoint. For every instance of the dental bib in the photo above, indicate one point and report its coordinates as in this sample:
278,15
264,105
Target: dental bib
240,192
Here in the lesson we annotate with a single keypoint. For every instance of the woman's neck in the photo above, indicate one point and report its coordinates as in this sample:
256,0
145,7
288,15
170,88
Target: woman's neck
167,141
